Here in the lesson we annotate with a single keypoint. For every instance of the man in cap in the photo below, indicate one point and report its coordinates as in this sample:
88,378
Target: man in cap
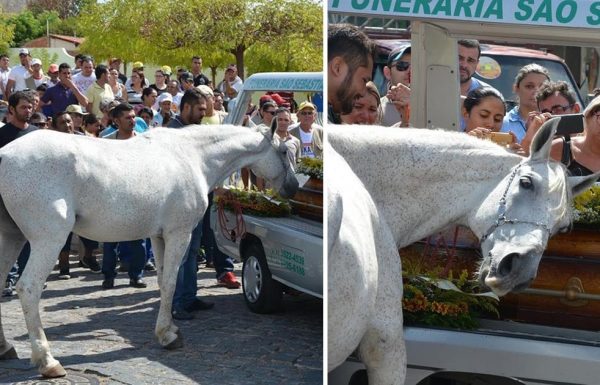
115,63
307,131
77,115
266,111
18,74
231,84
36,77
53,75
199,77
211,116
396,102
186,80
164,113
349,67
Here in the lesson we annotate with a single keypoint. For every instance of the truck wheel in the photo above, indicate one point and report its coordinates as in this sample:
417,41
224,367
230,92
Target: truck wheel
261,292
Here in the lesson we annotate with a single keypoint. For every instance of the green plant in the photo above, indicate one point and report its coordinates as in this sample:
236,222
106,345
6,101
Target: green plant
258,203
451,302
311,166
587,207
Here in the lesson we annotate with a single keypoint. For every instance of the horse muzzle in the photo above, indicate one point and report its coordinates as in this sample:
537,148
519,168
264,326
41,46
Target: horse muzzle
289,187
513,272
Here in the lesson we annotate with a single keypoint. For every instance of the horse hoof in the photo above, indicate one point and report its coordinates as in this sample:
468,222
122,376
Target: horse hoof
55,371
10,354
176,343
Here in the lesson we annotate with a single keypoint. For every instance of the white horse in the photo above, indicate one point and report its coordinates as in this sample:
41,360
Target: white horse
154,185
421,181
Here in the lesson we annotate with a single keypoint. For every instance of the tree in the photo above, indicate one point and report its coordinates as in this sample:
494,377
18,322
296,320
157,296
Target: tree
26,27
6,35
64,8
162,33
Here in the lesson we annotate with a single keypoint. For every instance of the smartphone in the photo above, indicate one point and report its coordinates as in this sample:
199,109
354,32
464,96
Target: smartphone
502,138
569,124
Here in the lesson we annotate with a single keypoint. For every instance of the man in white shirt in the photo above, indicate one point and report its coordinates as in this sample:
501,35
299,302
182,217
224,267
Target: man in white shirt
18,74
231,84
4,71
84,79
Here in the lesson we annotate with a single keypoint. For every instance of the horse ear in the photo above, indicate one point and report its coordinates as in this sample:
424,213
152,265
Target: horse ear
579,184
542,141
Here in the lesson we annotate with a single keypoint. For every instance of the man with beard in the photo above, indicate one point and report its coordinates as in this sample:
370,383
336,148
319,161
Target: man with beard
185,302
469,52
20,109
349,67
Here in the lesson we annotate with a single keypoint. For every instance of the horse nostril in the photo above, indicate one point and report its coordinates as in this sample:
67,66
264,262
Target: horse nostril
507,264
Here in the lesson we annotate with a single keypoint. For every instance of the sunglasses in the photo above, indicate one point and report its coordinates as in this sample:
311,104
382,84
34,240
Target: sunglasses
558,109
39,124
305,113
269,112
402,65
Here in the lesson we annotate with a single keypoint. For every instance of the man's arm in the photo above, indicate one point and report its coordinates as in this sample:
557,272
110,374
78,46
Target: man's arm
80,97
10,84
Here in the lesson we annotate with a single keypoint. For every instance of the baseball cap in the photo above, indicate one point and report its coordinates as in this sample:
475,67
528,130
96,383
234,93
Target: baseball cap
53,68
36,61
278,99
397,53
205,90
186,77
232,67
164,97
306,104
75,109
23,51
114,59
166,70
138,65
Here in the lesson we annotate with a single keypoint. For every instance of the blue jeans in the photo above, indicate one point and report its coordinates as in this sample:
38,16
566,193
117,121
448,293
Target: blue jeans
137,258
187,277
223,262
17,269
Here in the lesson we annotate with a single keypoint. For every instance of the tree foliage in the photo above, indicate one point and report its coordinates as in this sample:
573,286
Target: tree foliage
221,31
6,34
63,8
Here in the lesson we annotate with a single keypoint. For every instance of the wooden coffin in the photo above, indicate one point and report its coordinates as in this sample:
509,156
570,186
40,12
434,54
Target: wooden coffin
308,200
566,292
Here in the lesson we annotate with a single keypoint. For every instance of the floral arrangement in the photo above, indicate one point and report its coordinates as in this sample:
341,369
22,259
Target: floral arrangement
451,302
312,167
587,207
258,203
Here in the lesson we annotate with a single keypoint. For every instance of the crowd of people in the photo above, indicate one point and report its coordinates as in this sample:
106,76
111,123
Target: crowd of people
354,99
98,100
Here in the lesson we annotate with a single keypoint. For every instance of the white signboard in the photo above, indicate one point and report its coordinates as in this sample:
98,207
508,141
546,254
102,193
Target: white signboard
560,13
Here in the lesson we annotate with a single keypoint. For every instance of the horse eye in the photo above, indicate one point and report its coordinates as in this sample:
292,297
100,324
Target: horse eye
526,182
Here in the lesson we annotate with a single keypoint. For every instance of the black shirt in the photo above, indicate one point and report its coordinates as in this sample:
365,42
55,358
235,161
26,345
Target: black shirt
9,132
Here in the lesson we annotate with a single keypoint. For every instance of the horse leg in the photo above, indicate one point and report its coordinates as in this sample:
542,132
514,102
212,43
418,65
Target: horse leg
10,246
158,248
382,348
29,288
175,247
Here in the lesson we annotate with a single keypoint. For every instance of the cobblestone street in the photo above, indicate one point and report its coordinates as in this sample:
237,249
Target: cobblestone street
107,336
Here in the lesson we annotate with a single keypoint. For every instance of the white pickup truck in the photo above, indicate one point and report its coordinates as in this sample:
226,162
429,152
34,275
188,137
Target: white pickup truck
278,254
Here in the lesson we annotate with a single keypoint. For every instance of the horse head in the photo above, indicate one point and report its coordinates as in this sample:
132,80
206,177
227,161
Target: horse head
276,167
529,205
